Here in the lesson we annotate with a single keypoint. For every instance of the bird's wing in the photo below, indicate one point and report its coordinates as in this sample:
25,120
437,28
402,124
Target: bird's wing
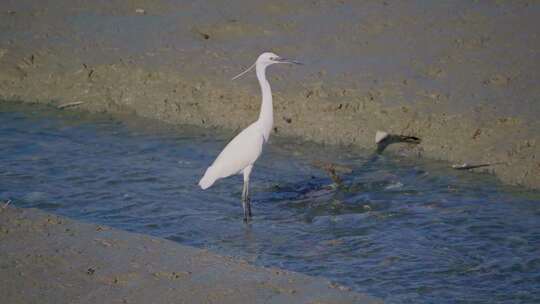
240,152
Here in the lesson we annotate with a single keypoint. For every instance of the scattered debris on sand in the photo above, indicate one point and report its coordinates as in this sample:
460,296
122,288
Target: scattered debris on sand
466,166
70,104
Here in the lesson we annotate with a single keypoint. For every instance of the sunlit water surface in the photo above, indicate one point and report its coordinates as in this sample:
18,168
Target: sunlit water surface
405,230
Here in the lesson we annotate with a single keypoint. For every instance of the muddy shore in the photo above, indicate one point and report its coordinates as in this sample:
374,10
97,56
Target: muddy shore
462,76
45,258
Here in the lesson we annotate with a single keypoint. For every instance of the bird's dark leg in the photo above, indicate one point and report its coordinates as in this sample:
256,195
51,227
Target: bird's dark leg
246,200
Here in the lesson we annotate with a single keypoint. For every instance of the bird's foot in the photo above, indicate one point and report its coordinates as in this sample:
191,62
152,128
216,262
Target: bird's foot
246,203
247,218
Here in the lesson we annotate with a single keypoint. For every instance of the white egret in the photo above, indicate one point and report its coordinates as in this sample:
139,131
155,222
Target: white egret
242,151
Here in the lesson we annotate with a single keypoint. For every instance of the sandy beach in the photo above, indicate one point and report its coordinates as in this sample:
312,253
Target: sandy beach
50,259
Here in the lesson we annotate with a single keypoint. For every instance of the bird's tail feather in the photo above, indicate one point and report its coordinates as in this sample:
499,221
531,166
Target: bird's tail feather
208,179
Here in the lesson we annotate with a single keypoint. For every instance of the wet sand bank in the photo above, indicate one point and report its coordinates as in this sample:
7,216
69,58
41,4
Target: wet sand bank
461,76
50,259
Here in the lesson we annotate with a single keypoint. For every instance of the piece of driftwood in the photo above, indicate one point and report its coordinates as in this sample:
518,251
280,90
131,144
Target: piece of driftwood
466,166
69,104
384,139
6,204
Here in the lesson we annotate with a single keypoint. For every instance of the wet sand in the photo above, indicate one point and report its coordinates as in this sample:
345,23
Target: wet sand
45,258
462,76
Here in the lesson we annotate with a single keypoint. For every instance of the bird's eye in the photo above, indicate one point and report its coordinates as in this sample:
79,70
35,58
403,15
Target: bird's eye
273,58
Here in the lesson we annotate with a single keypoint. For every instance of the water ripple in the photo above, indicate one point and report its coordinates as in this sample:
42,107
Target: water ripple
408,231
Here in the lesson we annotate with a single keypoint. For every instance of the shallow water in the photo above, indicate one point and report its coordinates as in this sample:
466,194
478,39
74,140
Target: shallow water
408,231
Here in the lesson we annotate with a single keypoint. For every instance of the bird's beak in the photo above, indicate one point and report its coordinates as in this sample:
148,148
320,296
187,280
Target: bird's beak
290,61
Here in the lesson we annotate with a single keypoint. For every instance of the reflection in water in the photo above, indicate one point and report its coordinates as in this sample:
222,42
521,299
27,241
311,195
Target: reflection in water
402,229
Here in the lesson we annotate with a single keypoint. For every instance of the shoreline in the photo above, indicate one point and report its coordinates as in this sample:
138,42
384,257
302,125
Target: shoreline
126,90
52,259
466,87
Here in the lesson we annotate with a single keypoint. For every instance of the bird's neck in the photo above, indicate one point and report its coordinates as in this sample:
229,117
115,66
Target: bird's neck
266,117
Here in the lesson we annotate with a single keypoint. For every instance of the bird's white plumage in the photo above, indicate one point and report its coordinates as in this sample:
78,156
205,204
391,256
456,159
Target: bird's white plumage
242,151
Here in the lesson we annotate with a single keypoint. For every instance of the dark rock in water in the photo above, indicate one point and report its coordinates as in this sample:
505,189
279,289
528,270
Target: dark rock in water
383,140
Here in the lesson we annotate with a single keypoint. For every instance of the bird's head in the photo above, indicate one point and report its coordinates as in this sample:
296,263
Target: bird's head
270,58
266,59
